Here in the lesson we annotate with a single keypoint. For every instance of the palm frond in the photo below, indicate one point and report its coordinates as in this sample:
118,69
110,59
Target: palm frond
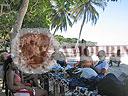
69,21
99,3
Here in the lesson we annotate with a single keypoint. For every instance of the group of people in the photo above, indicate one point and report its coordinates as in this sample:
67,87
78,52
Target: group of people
88,68
96,71
85,61
107,83
101,67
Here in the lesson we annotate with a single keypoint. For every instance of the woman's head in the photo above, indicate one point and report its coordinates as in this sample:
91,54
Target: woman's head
87,62
10,64
101,55
118,52
86,52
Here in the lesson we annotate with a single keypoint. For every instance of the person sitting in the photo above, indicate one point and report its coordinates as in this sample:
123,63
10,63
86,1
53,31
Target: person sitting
87,75
91,78
85,65
84,56
15,84
87,71
112,59
115,58
6,61
102,66
94,80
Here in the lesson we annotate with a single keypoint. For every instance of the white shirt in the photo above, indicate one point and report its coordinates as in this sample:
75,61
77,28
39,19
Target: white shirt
103,65
87,72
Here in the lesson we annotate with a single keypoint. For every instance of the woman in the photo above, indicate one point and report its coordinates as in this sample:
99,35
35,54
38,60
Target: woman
102,66
85,57
87,71
14,82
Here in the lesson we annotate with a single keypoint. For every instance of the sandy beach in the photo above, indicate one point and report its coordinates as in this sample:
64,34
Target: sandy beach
123,68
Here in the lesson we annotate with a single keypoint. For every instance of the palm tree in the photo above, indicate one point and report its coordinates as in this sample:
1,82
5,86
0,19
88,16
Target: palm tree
87,10
63,12
59,14
60,11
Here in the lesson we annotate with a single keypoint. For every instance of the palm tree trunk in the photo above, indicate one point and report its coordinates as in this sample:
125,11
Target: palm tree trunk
20,17
55,31
82,25
77,43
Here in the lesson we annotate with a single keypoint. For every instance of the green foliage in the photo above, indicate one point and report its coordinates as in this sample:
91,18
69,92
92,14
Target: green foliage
35,16
54,14
61,39
60,14
6,23
70,40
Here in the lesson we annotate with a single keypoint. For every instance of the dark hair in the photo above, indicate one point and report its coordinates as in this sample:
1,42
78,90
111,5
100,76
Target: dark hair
86,51
118,52
6,67
8,61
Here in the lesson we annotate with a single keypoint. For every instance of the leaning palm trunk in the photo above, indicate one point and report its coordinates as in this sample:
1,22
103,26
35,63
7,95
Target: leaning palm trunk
18,24
84,18
82,25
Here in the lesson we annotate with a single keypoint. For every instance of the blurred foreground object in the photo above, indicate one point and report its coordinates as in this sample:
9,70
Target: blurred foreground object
31,49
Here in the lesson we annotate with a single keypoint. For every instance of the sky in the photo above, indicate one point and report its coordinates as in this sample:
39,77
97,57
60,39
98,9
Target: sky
110,29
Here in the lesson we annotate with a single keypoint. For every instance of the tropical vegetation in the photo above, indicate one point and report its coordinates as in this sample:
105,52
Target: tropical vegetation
53,14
